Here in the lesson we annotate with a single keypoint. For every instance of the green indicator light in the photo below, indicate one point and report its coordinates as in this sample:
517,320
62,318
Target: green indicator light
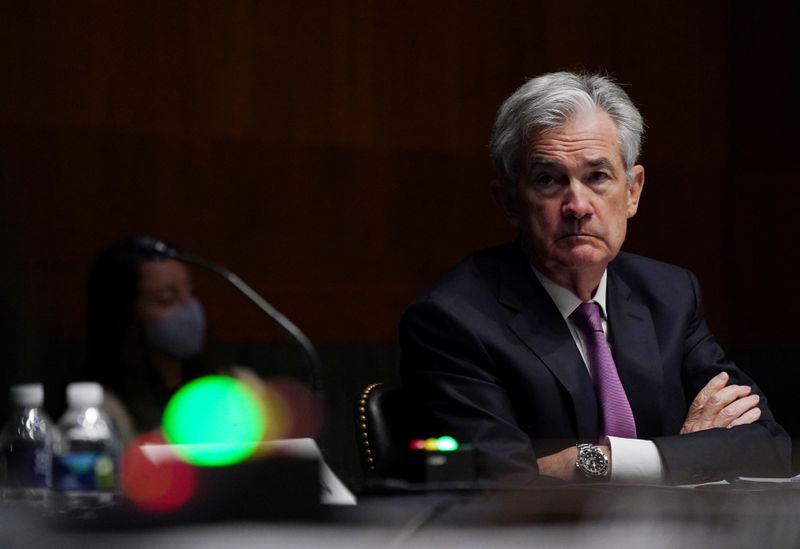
446,444
218,417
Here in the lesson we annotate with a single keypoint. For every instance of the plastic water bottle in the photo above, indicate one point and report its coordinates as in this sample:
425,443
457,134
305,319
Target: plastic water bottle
26,446
87,457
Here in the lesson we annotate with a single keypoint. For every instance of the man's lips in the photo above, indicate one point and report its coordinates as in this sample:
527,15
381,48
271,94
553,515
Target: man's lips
576,235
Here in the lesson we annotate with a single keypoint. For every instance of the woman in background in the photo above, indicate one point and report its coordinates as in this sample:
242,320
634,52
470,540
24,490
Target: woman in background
146,332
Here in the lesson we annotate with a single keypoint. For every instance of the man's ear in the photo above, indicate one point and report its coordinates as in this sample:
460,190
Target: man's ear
506,201
635,190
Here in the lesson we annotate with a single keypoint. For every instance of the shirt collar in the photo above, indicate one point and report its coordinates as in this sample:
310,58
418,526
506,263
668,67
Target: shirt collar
566,301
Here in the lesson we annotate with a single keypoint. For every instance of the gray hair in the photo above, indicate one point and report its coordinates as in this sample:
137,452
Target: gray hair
547,102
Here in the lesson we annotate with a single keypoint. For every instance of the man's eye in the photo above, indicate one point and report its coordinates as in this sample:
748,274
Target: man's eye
544,180
599,176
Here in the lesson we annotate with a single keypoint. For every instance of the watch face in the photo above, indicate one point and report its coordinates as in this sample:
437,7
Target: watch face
592,461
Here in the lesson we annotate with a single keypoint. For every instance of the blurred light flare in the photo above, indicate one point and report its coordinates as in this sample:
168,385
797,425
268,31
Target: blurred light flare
295,411
417,444
156,486
446,444
441,444
216,420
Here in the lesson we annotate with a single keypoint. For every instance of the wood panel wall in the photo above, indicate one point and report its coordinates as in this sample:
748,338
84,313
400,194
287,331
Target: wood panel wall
334,155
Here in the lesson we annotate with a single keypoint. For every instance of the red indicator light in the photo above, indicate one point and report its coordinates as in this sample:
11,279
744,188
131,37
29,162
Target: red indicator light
417,444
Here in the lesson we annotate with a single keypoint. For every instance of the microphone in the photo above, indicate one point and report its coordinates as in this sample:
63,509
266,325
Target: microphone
153,248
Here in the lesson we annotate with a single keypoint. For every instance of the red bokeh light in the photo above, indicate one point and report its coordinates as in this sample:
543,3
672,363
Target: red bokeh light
155,486
417,444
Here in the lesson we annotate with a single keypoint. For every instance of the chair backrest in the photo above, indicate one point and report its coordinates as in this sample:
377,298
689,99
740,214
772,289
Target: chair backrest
383,416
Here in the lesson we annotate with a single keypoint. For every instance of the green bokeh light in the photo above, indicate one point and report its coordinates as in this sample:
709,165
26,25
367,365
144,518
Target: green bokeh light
218,418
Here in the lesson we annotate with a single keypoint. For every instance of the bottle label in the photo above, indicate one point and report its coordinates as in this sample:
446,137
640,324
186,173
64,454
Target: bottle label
84,471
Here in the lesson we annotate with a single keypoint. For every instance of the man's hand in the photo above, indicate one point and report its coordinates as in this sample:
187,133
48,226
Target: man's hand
721,405
562,464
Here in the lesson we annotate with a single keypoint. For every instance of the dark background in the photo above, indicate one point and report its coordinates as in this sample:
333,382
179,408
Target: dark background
334,156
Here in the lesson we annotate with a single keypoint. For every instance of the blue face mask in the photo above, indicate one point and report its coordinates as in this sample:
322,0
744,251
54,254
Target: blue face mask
181,335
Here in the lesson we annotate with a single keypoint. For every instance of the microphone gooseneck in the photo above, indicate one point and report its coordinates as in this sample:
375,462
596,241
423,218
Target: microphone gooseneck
154,248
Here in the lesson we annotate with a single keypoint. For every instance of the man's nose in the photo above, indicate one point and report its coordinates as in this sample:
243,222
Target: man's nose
576,201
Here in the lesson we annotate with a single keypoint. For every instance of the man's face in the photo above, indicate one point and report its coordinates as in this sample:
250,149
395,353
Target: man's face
572,203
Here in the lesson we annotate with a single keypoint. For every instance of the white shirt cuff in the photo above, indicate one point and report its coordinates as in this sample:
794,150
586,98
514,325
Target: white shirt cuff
635,460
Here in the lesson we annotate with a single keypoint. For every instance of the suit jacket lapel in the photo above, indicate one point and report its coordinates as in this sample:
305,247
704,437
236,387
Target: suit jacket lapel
541,327
635,349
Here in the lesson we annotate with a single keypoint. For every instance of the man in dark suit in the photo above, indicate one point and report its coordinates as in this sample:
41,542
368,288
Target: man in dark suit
558,354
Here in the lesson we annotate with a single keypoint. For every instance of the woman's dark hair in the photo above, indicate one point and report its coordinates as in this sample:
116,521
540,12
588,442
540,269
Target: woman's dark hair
111,292
113,285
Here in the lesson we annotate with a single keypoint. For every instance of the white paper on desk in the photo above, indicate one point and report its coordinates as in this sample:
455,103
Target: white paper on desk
744,479
714,483
334,492
769,479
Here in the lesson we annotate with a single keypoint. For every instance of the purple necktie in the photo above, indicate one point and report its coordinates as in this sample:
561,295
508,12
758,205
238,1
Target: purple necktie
617,415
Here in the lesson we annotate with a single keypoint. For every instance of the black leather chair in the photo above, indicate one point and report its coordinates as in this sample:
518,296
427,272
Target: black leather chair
387,420
383,419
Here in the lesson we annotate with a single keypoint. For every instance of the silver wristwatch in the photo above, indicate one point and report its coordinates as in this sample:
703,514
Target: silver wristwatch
592,461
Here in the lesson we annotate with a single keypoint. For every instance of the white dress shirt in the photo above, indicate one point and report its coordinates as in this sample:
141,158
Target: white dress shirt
633,460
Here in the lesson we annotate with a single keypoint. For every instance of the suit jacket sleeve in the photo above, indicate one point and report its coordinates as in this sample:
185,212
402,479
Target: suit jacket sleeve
759,449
